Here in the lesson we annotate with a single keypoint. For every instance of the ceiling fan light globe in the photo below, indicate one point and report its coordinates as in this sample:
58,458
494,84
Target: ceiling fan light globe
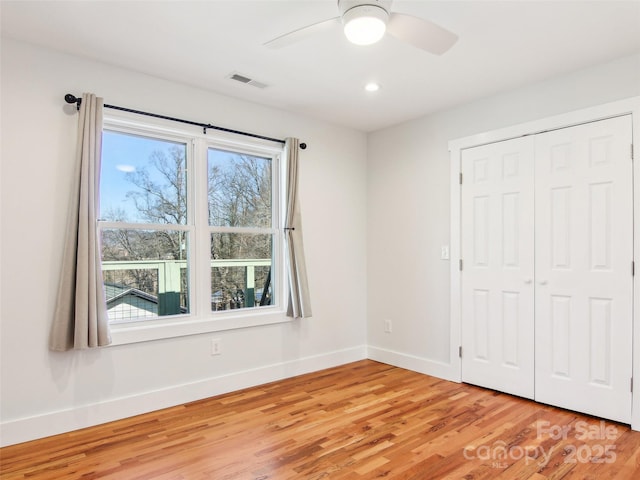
365,24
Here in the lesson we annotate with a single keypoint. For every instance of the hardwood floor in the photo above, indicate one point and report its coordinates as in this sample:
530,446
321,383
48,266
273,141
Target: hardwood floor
364,420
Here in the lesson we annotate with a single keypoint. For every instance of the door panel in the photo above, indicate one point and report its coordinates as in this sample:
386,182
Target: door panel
584,250
497,248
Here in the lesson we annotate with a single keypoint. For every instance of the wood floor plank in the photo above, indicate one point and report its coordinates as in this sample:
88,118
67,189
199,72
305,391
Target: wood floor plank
364,420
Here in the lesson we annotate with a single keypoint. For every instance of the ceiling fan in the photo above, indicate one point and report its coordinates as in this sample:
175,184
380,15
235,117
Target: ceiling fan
366,21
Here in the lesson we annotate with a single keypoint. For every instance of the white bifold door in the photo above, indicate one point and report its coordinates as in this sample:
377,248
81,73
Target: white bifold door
498,266
547,249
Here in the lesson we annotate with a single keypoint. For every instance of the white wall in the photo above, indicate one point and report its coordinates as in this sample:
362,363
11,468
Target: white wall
408,208
45,392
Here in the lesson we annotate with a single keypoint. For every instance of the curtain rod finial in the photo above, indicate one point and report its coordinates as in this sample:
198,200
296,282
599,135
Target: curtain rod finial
303,146
73,99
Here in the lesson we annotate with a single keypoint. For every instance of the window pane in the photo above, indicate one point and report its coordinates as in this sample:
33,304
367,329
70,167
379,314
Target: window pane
241,270
145,273
143,180
239,189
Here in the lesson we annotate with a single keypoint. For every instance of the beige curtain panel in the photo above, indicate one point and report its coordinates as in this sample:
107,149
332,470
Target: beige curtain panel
299,298
80,318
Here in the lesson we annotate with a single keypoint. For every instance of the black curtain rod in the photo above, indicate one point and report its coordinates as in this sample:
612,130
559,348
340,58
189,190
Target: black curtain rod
69,98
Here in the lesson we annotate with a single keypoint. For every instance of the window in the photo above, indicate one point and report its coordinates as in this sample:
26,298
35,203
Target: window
189,225
240,206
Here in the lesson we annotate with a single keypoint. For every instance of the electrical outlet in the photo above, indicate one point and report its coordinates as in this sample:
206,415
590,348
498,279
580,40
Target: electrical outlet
388,327
215,346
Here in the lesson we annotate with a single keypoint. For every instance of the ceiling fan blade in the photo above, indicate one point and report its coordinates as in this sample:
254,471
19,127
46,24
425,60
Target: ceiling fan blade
302,33
421,33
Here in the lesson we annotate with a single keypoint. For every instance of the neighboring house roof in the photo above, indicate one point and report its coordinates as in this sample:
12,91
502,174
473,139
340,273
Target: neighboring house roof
115,292
117,295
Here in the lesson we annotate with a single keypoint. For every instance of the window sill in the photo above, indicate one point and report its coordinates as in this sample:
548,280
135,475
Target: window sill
180,326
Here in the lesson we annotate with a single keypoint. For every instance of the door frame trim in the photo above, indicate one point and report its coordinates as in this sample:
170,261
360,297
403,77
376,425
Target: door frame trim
629,106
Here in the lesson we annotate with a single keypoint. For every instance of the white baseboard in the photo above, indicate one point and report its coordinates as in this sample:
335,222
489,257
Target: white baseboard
414,363
53,423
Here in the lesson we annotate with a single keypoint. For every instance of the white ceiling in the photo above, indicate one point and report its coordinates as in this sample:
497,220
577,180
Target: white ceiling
502,45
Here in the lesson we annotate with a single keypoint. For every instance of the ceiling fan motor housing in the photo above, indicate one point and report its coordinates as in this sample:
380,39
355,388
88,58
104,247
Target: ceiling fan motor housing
345,5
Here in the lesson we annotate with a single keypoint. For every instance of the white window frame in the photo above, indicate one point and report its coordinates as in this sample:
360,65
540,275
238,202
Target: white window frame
200,318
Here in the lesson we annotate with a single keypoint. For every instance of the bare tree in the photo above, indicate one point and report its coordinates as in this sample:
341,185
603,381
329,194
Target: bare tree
240,195
163,200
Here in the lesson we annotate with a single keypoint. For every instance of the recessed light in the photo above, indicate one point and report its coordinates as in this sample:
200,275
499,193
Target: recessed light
372,87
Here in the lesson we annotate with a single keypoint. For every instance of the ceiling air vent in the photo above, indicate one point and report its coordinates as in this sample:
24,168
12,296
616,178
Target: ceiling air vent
249,81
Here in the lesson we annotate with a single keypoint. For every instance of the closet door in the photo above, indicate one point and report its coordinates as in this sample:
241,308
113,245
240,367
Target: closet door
497,276
583,281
